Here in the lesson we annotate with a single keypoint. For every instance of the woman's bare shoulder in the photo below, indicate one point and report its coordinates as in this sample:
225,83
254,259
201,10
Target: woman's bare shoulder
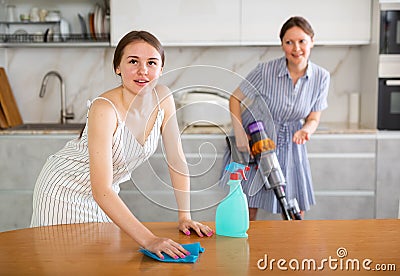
165,96
102,105
111,94
163,91
102,117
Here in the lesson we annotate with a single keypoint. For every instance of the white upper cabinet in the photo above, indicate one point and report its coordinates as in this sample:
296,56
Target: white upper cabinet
335,22
240,22
178,22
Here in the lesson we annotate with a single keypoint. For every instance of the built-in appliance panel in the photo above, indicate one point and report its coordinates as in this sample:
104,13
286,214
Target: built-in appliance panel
389,35
389,104
389,66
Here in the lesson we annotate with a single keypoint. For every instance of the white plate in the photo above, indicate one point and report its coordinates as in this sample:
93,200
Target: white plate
95,18
98,19
106,24
64,29
20,32
101,21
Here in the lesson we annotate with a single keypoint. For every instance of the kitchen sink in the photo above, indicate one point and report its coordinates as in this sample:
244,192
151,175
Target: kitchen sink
48,126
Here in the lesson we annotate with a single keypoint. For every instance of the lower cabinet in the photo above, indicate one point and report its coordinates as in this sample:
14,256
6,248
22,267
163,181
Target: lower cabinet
150,195
21,160
343,169
344,176
354,177
388,175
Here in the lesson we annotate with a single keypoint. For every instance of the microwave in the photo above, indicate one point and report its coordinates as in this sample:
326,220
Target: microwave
389,36
389,104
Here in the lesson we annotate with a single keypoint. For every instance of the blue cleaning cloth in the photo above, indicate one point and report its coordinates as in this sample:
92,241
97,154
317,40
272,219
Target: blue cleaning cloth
194,248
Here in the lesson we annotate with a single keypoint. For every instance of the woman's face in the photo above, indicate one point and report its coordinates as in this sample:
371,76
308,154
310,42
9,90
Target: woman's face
140,64
297,46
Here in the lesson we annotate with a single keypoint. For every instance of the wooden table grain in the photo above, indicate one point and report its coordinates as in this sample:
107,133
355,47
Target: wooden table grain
309,247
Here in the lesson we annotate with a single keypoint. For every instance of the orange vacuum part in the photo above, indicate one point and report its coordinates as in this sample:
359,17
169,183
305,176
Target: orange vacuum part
262,145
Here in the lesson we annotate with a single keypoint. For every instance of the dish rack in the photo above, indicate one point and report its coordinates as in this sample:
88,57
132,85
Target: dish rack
54,38
47,32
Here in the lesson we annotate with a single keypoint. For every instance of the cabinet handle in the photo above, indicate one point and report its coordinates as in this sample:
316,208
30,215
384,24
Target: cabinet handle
393,82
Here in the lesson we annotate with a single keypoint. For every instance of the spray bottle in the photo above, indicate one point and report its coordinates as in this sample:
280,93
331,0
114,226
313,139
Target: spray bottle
232,215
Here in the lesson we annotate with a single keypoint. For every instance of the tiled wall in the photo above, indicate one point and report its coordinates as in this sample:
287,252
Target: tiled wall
88,72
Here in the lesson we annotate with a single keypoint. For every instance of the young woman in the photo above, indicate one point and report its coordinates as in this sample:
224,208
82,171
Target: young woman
294,89
80,183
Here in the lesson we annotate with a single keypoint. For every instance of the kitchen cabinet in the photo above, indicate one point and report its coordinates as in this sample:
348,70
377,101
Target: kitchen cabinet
150,195
343,169
344,176
335,22
21,159
240,22
355,176
178,22
388,175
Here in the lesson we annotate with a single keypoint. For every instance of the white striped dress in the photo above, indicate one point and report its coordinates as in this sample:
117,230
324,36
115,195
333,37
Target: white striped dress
288,105
63,194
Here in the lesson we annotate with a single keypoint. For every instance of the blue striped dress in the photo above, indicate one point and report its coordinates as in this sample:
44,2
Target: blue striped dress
63,193
270,87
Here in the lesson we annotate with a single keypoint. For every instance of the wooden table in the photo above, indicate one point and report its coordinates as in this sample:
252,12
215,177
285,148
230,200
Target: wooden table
272,246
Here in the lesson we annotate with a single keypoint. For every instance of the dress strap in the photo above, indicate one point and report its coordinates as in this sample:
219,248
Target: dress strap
89,104
158,99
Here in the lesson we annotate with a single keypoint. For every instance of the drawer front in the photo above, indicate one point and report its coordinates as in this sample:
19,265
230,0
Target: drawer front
343,173
335,143
342,207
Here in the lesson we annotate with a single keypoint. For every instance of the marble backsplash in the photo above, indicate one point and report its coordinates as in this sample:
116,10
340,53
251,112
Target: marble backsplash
87,72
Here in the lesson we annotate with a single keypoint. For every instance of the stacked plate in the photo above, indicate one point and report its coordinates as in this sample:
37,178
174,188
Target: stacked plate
98,21
64,29
98,24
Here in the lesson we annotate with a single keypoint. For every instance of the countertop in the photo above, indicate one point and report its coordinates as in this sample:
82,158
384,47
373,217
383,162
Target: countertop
320,247
324,128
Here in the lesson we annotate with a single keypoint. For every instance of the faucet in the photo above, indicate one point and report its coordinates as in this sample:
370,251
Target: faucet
64,114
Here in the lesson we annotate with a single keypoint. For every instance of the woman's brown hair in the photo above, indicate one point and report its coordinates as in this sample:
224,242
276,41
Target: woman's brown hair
296,21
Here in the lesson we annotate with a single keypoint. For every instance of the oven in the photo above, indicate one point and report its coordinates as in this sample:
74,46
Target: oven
389,104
